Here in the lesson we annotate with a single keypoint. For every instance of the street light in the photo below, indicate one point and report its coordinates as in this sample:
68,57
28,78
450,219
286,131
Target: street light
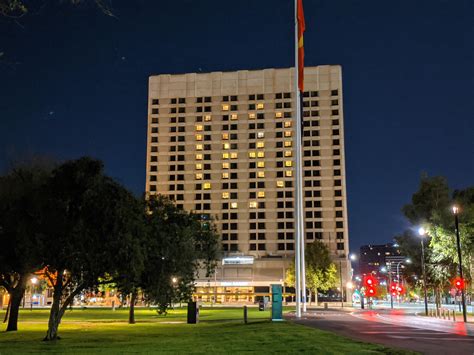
458,242
422,233
34,281
408,261
389,264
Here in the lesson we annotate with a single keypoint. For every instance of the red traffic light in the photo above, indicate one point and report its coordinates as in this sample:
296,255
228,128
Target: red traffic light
370,292
370,281
459,283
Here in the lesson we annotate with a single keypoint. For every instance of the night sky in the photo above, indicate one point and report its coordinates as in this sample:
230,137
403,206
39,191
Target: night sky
73,82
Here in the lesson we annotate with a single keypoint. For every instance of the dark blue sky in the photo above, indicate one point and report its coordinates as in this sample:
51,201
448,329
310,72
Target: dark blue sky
74,82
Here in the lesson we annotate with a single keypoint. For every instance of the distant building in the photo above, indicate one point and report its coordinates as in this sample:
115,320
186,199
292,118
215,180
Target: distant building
375,257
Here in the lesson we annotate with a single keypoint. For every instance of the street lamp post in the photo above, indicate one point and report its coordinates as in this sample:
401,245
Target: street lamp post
390,283
34,281
422,233
458,242
352,257
408,261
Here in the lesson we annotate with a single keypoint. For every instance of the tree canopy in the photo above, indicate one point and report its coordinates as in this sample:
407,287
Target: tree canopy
321,272
431,208
80,229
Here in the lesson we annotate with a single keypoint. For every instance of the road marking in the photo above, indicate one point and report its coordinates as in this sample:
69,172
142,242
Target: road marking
427,338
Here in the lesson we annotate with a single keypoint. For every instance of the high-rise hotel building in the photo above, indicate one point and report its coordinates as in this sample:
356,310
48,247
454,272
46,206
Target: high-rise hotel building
222,144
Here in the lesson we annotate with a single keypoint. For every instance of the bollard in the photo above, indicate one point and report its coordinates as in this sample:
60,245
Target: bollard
325,305
245,314
442,313
454,315
449,314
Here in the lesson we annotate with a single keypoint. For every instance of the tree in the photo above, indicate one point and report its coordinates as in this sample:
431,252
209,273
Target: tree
18,8
20,216
180,244
431,203
431,208
91,223
321,273
176,245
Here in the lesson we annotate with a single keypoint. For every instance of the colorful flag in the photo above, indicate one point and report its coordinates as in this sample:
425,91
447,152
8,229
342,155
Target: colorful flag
301,29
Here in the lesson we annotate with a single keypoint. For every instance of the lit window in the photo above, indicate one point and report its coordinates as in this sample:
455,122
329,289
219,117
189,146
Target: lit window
278,115
261,194
225,136
233,205
226,146
225,107
253,204
260,134
288,153
288,134
251,116
225,195
288,173
225,175
199,137
198,146
207,118
198,156
287,124
261,154
261,164
261,174
259,106
280,183
252,154
288,163
225,165
199,127
288,143
260,144
233,155
207,185
225,155
198,166
198,176
233,116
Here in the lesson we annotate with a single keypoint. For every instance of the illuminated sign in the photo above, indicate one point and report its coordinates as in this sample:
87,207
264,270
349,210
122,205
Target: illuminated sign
234,283
238,260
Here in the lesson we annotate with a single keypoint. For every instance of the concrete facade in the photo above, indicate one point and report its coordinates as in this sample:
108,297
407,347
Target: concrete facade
222,144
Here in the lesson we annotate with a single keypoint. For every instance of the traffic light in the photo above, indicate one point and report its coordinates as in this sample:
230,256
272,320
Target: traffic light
370,283
370,292
393,289
459,283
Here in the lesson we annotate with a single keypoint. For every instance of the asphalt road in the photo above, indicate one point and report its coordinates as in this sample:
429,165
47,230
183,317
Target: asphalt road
396,328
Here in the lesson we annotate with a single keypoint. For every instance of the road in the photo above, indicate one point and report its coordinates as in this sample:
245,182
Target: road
396,328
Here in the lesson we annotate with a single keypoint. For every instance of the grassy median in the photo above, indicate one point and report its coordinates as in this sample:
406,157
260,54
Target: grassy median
220,330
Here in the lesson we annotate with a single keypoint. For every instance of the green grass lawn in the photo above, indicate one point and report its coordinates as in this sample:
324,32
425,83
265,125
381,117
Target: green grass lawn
220,331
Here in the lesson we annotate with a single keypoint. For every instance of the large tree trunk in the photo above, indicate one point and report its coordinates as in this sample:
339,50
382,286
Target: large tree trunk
54,314
131,314
58,309
16,295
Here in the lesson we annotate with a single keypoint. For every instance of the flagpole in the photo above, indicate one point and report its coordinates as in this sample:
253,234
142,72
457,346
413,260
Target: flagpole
298,179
